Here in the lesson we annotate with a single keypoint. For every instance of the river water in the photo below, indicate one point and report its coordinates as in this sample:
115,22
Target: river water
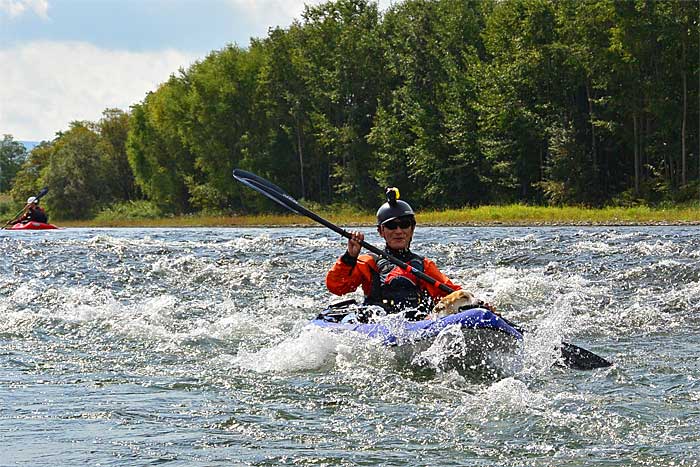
191,347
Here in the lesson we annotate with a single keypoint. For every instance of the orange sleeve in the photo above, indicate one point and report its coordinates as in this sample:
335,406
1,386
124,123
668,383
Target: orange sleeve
348,273
432,270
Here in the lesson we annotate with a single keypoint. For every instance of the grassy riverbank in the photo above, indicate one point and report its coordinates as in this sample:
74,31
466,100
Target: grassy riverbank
516,214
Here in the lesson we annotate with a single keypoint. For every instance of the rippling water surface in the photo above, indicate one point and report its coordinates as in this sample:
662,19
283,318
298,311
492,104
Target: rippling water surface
190,347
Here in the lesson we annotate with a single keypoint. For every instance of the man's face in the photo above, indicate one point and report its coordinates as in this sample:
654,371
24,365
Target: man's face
397,233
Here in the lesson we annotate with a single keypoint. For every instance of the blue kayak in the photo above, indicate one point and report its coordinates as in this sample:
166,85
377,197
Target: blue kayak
396,332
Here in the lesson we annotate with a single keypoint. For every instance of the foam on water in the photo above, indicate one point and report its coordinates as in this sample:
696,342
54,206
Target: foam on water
313,349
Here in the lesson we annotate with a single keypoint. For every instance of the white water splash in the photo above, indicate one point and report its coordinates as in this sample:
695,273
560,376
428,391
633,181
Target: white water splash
313,349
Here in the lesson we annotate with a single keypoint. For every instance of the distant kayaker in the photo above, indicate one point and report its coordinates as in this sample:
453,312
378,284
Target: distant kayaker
32,212
383,283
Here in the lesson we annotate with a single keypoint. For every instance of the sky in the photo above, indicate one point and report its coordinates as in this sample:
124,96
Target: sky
67,60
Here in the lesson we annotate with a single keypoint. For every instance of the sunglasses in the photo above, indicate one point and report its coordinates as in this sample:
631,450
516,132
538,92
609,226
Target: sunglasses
395,223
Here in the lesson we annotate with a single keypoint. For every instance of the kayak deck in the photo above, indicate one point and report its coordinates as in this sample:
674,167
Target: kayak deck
396,331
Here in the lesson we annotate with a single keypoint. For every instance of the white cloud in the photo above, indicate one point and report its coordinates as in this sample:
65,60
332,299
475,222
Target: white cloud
282,12
284,9
16,8
46,85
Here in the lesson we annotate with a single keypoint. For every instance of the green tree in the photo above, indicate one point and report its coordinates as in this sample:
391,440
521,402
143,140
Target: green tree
425,131
76,174
113,129
161,162
12,155
584,35
281,143
219,100
517,94
642,57
28,181
343,72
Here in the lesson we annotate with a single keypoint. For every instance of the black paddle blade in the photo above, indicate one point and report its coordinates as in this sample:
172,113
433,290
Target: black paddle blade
266,188
278,195
574,357
42,192
578,358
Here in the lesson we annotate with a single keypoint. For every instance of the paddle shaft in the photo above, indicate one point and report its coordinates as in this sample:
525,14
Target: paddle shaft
15,217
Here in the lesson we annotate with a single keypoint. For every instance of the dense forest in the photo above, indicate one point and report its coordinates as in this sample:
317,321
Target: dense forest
587,102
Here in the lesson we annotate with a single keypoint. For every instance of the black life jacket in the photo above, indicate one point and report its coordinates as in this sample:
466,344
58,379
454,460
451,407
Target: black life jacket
397,290
37,214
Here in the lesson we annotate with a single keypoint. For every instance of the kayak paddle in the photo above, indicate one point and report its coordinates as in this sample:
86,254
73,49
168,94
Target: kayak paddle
38,197
572,356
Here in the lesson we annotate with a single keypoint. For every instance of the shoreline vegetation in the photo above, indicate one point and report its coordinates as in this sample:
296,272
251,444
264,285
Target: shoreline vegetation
509,215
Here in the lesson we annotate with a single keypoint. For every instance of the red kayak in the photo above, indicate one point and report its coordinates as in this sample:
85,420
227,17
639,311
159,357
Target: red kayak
32,225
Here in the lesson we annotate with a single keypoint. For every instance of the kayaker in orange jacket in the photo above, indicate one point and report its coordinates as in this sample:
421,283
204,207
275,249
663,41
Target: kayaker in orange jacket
383,283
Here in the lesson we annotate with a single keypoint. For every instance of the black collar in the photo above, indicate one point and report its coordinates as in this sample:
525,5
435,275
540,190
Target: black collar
403,255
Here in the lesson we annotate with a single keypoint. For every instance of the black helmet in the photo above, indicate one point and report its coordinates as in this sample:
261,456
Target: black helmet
393,207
